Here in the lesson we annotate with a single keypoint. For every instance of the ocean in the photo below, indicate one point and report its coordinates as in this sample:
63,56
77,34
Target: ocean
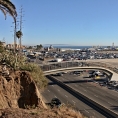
72,47
68,46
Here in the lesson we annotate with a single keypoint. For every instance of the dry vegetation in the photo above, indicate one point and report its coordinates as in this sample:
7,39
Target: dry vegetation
20,97
63,112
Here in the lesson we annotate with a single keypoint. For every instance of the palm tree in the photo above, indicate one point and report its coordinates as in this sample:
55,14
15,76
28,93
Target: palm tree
8,7
19,34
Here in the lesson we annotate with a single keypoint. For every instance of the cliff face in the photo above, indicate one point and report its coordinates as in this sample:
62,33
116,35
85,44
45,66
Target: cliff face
18,90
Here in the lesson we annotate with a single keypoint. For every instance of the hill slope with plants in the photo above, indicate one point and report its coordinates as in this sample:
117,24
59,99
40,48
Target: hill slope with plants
20,85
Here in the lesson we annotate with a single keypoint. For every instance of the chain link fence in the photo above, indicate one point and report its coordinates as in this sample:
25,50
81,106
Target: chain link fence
69,64
52,66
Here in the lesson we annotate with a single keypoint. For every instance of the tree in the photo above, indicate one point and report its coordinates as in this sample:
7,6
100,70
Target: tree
8,7
19,34
30,47
38,47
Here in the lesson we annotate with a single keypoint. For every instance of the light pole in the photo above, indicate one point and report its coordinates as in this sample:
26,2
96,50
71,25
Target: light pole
21,21
15,41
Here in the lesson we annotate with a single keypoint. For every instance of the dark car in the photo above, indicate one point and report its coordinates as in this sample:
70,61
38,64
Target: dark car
55,102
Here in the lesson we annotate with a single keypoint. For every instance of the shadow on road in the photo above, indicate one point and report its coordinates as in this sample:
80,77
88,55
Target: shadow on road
114,108
70,82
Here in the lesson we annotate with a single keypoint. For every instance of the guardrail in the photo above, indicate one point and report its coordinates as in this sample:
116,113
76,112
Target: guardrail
102,109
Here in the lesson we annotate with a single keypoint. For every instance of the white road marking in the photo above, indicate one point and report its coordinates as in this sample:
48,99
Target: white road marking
55,96
95,95
110,103
52,85
48,90
58,90
86,110
66,95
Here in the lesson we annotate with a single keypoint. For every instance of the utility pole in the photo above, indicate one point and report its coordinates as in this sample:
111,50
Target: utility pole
15,40
21,21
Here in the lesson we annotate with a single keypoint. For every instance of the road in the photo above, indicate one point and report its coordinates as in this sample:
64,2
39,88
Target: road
102,95
53,90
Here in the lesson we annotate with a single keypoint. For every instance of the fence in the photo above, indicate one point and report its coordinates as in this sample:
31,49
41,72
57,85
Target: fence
53,66
68,64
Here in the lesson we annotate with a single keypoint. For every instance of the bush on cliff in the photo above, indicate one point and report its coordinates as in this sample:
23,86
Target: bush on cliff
18,62
36,73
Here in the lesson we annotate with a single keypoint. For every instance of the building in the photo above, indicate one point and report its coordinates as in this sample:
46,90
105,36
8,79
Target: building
11,46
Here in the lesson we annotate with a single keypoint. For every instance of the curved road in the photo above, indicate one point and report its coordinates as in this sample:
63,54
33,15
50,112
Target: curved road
104,96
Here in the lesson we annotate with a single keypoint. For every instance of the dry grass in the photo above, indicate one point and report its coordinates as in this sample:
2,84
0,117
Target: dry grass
63,112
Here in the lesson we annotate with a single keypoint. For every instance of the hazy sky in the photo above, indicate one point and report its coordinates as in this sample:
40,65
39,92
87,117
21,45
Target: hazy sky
75,22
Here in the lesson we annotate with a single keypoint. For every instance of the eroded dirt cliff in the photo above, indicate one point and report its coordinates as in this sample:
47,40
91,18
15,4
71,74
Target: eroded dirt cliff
20,98
18,90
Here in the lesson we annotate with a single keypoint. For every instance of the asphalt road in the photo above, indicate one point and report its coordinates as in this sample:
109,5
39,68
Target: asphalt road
53,90
102,95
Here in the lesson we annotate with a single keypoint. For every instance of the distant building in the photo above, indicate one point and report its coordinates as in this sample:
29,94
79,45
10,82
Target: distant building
51,47
11,46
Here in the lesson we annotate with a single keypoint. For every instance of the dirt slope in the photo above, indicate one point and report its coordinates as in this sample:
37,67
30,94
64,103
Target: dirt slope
20,98
18,91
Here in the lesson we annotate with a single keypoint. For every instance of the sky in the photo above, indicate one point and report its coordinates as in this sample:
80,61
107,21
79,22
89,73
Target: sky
72,22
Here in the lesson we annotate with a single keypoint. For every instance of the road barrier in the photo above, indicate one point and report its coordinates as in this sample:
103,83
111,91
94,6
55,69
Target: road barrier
102,109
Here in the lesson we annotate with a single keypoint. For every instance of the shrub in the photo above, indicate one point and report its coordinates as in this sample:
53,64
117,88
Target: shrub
18,62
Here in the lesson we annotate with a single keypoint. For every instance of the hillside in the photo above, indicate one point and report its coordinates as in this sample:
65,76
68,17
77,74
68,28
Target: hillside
20,98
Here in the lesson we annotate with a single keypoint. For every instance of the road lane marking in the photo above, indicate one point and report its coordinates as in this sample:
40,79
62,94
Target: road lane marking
52,85
86,110
95,95
66,95
48,90
55,96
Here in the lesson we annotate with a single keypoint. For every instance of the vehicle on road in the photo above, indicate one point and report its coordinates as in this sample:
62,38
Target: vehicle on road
55,102
95,74
57,74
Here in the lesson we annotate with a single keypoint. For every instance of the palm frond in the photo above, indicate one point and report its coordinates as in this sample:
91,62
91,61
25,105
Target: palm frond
4,12
9,7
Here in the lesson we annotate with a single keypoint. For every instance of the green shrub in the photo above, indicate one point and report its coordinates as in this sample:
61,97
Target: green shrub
36,74
18,62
